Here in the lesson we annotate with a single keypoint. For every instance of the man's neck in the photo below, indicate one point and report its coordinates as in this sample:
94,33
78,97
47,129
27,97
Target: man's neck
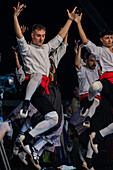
111,49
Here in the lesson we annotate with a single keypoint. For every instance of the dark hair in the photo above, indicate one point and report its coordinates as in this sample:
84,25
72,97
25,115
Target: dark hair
105,32
87,54
38,27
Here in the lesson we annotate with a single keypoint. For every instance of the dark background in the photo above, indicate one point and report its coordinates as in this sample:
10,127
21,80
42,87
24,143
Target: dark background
97,15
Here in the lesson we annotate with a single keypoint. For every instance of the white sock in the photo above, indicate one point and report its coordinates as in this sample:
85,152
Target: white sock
107,130
34,82
89,150
51,119
93,108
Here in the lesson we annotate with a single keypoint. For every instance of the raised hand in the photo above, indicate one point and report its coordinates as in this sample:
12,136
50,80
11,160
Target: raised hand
18,9
81,45
23,28
15,50
77,17
72,14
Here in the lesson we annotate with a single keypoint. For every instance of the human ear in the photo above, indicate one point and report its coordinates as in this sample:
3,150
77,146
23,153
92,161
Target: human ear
31,35
101,39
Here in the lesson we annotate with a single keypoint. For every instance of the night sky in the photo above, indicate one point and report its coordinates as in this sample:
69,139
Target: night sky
97,15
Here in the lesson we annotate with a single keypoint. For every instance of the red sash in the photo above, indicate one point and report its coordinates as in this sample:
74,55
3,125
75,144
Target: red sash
108,76
83,95
86,95
45,82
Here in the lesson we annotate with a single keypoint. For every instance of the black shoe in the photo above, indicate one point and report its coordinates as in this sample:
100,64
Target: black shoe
24,110
84,163
89,163
33,156
16,148
17,145
27,139
86,123
85,108
96,139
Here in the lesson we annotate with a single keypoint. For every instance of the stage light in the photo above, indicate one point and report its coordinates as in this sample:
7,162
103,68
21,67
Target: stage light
7,82
11,80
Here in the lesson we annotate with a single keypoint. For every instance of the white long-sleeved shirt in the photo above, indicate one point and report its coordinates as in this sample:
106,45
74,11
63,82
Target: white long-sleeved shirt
61,50
20,74
56,57
103,54
35,58
86,77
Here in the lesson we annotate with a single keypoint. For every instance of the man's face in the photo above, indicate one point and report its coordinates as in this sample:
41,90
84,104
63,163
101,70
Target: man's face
107,40
91,63
38,37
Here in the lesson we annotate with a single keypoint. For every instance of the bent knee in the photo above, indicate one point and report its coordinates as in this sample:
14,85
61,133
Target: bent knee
96,87
53,116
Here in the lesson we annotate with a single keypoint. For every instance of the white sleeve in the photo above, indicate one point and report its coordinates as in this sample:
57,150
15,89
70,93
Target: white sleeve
92,48
81,72
54,43
20,75
23,46
61,50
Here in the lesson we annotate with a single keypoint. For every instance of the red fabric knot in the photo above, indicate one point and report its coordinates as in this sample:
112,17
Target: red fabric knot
45,82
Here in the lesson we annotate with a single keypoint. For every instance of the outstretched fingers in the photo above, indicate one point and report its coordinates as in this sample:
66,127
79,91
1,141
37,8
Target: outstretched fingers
72,14
74,10
19,7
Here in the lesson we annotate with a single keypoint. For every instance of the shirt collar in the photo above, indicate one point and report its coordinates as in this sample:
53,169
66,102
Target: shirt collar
36,46
105,47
